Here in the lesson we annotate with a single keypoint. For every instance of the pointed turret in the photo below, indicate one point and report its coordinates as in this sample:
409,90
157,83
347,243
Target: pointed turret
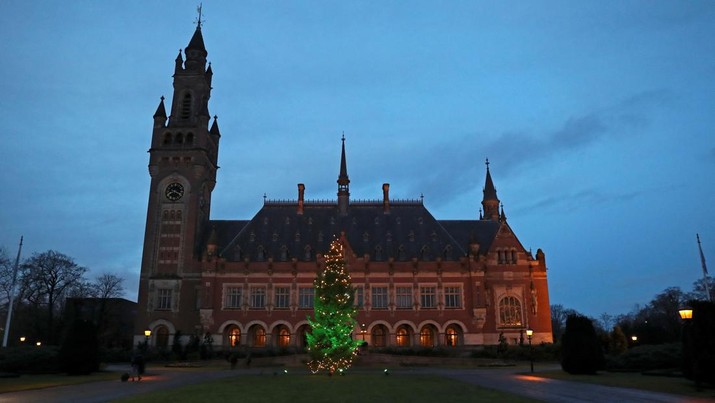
490,202
209,74
179,63
160,114
343,183
214,128
196,52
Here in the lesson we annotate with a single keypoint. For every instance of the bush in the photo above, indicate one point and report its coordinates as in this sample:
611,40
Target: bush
30,359
79,354
581,351
542,352
646,358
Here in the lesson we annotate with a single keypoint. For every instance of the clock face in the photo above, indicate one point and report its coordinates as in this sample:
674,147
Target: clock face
174,191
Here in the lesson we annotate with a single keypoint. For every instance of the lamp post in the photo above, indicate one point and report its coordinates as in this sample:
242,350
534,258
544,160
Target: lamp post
362,331
147,334
634,339
529,333
686,315
22,339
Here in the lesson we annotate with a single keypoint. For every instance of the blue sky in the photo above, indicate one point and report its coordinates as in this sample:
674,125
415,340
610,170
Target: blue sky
597,118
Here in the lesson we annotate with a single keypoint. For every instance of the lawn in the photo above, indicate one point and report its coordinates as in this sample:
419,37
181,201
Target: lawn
27,382
321,388
673,385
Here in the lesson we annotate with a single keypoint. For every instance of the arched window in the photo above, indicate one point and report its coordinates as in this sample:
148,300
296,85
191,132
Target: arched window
378,336
510,311
284,253
186,106
259,337
162,336
427,337
401,255
167,138
179,138
424,253
452,336
403,337
283,337
233,336
190,138
308,253
513,256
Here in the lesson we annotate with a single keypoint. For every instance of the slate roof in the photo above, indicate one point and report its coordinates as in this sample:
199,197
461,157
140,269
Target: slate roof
409,231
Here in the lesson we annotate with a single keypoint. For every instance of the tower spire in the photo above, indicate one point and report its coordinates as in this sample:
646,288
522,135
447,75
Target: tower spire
490,202
343,182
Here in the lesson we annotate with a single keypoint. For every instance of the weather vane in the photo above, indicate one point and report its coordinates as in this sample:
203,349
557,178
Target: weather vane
198,10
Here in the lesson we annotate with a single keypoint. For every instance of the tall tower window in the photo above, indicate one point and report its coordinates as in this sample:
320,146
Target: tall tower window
186,106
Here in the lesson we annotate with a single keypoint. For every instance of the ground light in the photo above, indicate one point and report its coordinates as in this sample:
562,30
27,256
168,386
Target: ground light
386,372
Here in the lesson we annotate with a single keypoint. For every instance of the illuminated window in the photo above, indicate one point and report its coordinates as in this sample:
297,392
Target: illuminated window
232,297
234,336
452,336
427,337
404,297
452,297
282,297
427,297
259,337
305,298
283,338
403,337
379,297
510,311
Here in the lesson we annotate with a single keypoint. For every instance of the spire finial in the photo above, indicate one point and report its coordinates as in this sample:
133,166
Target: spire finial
343,136
487,163
198,19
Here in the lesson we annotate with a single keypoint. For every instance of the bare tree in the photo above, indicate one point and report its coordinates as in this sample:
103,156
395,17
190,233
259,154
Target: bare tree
6,270
47,279
108,285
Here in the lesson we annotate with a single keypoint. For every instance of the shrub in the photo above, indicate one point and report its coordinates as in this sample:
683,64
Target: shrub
30,359
646,358
581,351
79,354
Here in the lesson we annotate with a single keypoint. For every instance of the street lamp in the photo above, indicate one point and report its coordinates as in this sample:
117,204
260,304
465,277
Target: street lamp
362,331
38,344
529,333
634,338
685,313
22,339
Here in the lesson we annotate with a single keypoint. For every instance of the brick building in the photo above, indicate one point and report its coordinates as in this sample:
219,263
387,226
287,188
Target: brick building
419,281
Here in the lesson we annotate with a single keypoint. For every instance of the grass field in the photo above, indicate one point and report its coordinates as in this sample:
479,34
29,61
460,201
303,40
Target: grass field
321,388
27,382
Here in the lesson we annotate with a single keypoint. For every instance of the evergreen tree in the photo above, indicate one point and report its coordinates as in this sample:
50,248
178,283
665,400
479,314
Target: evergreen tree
330,341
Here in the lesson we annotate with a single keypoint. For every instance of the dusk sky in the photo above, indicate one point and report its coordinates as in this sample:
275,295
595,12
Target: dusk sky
598,120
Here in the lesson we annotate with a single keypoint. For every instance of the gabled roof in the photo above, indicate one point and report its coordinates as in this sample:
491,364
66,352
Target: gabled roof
409,231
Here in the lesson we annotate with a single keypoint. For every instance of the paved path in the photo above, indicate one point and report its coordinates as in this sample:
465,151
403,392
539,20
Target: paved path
507,380
552,390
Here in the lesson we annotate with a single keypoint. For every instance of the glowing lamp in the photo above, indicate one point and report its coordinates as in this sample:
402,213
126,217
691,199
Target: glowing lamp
685,313
634,338
22,339
529,332
147,333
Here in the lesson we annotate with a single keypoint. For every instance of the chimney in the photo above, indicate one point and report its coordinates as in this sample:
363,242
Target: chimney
301,192
386,198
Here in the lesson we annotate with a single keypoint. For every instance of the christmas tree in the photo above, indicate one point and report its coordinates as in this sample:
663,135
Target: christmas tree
330,341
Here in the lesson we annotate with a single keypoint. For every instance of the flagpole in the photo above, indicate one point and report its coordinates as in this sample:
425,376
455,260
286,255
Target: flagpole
705,269
12,296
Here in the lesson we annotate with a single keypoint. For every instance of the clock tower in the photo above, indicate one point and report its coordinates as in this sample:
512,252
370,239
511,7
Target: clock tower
182,164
